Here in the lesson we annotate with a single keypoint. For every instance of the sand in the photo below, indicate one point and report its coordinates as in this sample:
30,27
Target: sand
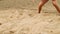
19,18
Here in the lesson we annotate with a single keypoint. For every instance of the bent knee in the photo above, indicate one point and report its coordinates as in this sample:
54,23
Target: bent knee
53,1
42,2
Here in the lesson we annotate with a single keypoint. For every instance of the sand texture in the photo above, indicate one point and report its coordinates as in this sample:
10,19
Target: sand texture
21,17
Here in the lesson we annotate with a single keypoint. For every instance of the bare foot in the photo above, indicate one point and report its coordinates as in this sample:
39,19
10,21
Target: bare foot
39,12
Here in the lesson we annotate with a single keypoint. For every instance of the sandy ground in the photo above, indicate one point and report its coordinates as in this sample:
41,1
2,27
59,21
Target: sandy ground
21,17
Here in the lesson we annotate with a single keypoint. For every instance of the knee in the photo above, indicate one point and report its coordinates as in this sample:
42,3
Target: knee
53,2
43,2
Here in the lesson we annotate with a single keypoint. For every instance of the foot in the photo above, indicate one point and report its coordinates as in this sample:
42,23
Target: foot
39,12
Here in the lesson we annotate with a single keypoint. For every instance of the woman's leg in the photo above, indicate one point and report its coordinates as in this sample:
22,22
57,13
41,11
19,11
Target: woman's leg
41,4
55,5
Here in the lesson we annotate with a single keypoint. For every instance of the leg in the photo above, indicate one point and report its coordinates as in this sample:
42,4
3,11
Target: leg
41,4
55,5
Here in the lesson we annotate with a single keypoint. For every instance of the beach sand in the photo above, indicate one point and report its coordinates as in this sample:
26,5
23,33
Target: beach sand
21,17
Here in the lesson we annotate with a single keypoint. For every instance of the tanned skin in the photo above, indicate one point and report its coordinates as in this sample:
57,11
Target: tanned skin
42,2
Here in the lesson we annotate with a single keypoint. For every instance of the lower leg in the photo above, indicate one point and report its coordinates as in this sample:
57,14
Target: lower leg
40,7
55,5
41,4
